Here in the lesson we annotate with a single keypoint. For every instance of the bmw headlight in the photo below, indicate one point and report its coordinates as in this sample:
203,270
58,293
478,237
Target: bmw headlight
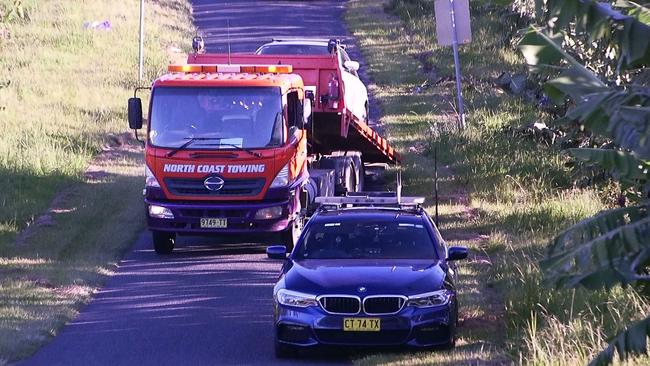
294,298
429,299
149,179
282,179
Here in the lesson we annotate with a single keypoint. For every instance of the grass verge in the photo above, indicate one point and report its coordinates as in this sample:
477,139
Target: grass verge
67,213
504,194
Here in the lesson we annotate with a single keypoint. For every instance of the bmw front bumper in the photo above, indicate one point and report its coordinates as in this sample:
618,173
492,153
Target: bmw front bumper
412,326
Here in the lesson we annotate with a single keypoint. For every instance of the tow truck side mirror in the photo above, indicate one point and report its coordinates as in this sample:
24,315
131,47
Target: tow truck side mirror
308,107
306,114
135,113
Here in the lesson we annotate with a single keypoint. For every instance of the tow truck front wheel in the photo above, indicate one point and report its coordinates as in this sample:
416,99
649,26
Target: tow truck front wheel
163,243
290,235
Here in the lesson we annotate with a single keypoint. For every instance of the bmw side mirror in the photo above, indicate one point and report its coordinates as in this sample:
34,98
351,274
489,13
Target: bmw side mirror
457,253
276,252
135,113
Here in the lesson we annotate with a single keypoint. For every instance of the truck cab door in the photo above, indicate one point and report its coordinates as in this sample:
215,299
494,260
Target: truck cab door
297,132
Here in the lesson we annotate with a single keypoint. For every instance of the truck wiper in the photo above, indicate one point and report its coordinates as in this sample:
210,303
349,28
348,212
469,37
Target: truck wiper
190,141
254,153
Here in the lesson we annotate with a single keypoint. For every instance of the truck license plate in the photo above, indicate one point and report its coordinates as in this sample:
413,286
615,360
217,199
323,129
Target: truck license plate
361,324
214,223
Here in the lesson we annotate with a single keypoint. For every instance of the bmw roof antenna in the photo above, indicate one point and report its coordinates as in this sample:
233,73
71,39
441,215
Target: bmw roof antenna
435,181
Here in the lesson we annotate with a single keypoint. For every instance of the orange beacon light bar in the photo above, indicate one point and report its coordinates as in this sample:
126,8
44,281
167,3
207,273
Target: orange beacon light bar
275,69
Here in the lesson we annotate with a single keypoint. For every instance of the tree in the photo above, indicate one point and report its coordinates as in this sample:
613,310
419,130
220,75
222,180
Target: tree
595,52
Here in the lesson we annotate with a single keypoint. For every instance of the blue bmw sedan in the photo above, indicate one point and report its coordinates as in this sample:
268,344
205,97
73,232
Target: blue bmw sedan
367,272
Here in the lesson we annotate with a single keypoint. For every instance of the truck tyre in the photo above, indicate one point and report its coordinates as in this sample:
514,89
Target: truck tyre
290,235
163,242
350,179
361,179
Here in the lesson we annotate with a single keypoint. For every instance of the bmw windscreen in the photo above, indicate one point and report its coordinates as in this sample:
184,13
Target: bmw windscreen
373,239
217,118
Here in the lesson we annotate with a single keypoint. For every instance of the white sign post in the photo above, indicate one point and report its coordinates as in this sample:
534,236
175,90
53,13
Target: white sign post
453,28
141,53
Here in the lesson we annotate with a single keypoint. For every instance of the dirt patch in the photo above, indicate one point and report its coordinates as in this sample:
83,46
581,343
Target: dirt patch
482,322
115,149
465,235
73,291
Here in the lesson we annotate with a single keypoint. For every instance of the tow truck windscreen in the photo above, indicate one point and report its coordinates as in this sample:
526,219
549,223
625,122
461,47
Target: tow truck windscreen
377,239
217,118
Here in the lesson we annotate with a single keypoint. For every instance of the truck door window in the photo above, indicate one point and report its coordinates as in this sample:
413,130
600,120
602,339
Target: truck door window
294,109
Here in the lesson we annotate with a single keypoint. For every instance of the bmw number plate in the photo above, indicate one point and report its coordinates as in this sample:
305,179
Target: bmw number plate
214,223
361,324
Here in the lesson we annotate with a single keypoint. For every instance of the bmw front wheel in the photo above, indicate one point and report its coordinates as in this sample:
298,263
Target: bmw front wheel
284,350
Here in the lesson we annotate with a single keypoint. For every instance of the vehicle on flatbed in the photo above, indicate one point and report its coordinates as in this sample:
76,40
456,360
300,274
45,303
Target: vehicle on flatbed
356,95
367,271
240,144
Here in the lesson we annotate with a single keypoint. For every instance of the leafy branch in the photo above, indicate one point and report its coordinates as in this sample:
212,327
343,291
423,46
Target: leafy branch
612,247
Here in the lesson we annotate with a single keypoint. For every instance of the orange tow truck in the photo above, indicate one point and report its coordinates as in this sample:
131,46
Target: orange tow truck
240,144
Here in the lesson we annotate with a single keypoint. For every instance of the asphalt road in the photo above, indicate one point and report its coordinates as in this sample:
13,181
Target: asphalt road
253,23
208,303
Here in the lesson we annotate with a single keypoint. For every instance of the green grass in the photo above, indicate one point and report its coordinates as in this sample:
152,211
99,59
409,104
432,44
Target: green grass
67,89
503,194
63,93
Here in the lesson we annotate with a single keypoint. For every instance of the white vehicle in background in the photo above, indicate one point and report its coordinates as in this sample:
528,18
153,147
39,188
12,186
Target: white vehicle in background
356,95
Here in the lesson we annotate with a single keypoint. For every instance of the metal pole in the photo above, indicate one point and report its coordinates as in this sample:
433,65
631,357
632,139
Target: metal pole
459,92
435,181
141,56
228,26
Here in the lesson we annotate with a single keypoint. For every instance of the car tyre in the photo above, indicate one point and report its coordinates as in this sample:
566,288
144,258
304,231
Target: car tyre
449,345
284,350
451,342
163,243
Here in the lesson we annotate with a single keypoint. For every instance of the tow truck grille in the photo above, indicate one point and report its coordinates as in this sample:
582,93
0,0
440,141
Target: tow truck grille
383,305
231,187
340,304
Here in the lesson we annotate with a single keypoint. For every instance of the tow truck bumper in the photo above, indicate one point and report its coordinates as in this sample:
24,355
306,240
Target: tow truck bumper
239,217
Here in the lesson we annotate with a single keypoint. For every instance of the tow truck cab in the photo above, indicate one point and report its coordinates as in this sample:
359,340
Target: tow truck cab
244,143
226,151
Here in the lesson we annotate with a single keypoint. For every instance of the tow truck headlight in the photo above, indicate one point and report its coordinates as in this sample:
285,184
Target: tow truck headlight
149,179
429,299
294,298
268,213
160,212
282,179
